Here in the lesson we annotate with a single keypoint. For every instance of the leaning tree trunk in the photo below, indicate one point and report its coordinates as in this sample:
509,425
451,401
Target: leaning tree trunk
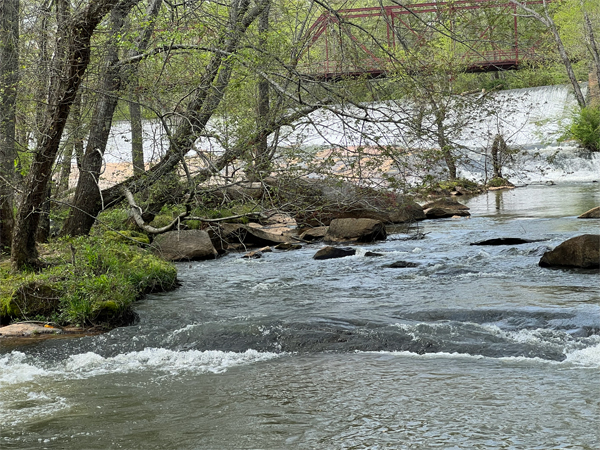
78,37
88,190
207,97
9,78
549,23
88,194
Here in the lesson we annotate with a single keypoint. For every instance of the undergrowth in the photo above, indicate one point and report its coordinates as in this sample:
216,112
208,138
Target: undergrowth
87,281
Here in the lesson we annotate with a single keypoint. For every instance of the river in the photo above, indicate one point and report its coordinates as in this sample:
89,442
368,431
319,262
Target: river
476,348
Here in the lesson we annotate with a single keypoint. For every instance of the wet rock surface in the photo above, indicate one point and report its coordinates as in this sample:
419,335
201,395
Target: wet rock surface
578,252
334,252
593,213
186,245
355,230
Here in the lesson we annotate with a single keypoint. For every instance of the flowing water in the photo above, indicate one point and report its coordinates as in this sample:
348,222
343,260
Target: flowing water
475,348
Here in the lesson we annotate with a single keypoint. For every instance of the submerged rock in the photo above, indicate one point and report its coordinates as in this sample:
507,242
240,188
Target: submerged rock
402,265
186,245
357,230
288,246
593,213
373,254
253,255
505,241
334,252
580,252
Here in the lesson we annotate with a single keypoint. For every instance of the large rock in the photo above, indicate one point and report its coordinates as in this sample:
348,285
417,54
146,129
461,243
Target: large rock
317,202
445,207
355,230
250,236
593,213
314,234
187,245
581,251
334,252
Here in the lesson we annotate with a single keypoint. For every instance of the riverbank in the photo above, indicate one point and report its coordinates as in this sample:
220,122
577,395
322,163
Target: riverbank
88,284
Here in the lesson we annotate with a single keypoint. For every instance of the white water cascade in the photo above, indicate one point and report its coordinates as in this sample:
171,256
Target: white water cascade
531,120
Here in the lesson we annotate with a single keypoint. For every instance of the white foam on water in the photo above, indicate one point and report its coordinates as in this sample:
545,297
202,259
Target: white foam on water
20,406
15,370
162,360
587,357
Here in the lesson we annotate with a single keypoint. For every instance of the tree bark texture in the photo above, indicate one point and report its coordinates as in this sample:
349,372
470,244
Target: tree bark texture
9,78
78,44
88,190
261,163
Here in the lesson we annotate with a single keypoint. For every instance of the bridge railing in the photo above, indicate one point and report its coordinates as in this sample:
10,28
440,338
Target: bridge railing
376,40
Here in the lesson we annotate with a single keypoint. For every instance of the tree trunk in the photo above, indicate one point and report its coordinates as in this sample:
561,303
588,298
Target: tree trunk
88,195
132,80
199,110
549,23
137,137
78,43
498,149
73,146
261,163
593,45
87,192
567,63
449,158
9,78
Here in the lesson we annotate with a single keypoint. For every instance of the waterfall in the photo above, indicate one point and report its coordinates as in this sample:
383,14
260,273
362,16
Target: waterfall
531,120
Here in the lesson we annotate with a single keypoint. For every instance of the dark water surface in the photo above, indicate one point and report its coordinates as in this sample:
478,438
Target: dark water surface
476,348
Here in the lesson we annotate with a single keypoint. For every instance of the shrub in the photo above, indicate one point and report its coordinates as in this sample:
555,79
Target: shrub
585,128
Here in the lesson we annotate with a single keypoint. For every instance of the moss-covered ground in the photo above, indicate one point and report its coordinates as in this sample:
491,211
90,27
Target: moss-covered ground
86,282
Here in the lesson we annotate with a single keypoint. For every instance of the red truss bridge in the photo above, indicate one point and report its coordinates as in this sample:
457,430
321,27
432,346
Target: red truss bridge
468,35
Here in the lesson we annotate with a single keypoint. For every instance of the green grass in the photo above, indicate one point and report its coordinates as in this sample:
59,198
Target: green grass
87,282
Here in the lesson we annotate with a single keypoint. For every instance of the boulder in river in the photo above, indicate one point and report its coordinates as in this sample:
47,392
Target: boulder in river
355,230
580,252
314,234
444,208
185,245
593,213
250,236
334,252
